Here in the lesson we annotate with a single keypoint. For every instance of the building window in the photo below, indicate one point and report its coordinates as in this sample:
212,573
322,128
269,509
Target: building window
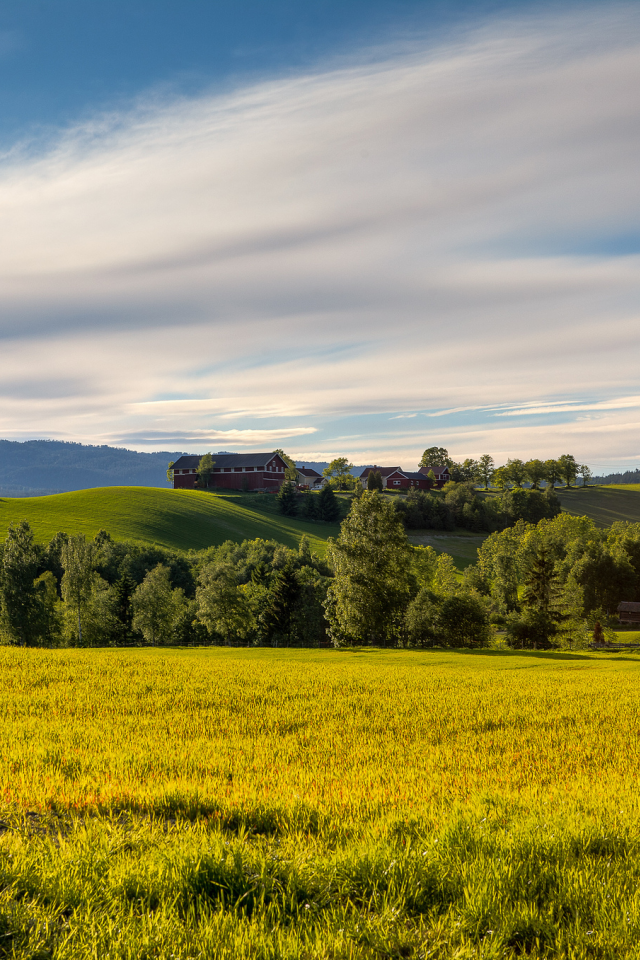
249,468
396,483
237,469
260,468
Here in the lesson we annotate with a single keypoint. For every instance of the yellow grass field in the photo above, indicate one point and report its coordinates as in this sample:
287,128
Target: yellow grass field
282,803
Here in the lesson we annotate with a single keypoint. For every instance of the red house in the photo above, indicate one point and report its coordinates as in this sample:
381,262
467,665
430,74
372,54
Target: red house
395,478
232,471
385,473
441,474
408,480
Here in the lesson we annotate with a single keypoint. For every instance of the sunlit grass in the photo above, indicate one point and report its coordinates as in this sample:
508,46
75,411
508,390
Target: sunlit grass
177,519
276,803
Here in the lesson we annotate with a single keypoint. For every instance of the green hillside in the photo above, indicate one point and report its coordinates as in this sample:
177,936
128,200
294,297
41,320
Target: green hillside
603,504
177,519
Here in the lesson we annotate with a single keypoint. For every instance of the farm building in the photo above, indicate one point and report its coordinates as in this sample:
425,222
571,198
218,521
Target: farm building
308,477
385,473
441,474
629,612
395,478
232,471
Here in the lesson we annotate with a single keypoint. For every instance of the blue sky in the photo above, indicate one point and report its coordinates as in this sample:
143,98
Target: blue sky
355,228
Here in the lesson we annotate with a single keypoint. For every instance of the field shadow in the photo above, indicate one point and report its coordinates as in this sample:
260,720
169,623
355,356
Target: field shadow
545,655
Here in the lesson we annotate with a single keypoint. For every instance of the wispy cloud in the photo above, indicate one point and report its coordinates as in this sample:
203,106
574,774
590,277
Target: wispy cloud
344,246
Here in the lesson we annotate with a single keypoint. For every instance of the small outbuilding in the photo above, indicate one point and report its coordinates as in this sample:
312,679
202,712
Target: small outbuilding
629,612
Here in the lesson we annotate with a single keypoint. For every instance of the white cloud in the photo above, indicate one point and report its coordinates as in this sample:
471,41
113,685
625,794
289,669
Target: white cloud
399,236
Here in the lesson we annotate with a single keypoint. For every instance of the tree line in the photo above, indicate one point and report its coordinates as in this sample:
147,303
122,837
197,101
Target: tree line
540,582
78,592
514,473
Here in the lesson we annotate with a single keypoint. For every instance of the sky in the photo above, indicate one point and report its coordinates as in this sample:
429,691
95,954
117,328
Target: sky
355,228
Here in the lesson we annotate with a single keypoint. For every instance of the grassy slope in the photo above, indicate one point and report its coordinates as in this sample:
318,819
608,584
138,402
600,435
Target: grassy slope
603,504
178,519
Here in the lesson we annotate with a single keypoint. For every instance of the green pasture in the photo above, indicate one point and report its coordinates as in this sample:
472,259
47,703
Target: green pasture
603,505
462,545
176,519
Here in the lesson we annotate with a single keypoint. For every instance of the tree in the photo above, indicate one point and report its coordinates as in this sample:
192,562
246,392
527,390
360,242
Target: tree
535,471
170,471
124,589
436,457
156,605
50,624
309,506
516,471
222,605
327,505
21,599
371,563
486,466
291,471
541,585
568,466
467,472
279,608
463,622
205,470
501,478
605,577
287,499
552,472
77,560
432,478
339,474
374,480
585,472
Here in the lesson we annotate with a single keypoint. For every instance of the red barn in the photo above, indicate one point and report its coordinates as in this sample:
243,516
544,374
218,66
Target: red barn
232,471
385,473
395,478
441,474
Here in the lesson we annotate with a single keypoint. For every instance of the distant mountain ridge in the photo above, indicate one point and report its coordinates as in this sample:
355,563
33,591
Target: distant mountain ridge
35,467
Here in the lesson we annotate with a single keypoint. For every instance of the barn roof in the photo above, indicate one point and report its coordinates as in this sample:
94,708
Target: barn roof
227,460
628,606
383,471
308,472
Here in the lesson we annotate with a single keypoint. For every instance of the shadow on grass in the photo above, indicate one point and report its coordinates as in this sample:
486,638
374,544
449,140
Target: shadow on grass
534,654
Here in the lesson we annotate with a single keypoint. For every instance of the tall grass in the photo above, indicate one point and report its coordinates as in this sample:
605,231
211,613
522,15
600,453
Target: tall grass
264,803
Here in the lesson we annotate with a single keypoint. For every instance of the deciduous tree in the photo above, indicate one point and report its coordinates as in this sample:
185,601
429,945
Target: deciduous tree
486,465
436,457
77,560
156,605
339,474
205,470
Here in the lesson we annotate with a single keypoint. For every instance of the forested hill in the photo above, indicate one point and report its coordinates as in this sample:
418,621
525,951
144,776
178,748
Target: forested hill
54,466
629,476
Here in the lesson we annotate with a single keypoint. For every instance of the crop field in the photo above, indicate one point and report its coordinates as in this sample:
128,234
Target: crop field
603,505
177,519
319,804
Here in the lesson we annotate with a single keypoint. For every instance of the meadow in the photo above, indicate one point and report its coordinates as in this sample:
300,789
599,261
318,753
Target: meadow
176,519
604,505
273,803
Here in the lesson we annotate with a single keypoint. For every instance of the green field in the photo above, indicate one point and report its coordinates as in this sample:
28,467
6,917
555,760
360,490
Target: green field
603,505
462,545
177,519
230,803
